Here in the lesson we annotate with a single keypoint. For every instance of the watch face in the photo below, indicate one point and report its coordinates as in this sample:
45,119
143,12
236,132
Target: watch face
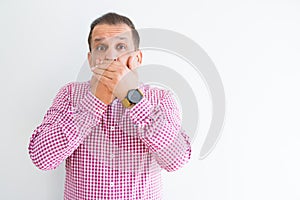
134,96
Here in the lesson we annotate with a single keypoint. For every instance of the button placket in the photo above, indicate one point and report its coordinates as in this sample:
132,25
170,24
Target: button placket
112,184
112,128
112,156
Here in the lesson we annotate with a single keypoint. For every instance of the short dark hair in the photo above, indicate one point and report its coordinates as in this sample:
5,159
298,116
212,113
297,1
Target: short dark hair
114,19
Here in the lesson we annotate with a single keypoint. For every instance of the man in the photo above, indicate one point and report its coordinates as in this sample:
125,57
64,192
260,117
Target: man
114,133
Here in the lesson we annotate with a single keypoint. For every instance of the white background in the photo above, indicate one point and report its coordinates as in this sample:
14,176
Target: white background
255,46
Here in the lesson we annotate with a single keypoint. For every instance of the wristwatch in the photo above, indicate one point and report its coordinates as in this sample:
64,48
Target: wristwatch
133,97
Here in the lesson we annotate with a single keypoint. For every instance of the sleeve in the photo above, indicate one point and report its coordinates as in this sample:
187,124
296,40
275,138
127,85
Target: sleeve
64,128
159,127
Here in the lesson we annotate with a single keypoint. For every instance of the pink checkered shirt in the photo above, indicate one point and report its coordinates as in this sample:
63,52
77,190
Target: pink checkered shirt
111,152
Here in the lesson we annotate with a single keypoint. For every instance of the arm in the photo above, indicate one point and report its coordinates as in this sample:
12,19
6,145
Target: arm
64,128
160,129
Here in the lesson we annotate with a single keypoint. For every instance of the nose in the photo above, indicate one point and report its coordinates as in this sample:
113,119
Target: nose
111,54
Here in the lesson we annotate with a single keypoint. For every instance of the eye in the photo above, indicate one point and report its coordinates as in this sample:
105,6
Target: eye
101,48
122,46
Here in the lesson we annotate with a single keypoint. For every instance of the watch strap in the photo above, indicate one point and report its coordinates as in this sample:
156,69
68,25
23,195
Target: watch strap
126,103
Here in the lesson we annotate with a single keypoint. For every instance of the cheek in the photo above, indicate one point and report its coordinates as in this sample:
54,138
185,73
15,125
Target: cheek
124,59
92,61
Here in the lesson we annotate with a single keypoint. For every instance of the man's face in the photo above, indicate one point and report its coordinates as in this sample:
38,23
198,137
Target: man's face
109,42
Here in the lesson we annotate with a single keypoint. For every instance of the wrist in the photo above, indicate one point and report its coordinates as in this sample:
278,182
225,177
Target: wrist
102,93
133,97
105,98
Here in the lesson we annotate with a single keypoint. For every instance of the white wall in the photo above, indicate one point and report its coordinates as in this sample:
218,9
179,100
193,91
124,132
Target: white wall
254,44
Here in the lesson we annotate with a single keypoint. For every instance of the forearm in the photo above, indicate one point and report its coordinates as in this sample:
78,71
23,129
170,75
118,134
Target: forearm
63,129
159,127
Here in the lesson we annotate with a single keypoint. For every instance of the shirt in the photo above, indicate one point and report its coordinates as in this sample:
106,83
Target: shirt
111,152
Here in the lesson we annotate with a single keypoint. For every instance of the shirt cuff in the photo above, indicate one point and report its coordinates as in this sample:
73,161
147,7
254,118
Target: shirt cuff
140,113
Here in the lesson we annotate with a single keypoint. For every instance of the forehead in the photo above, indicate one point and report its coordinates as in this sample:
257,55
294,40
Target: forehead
110,31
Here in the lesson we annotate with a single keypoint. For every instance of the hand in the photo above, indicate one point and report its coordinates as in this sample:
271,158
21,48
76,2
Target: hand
101,91
117,78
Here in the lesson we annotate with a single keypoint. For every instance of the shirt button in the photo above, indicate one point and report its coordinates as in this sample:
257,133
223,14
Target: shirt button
112,184
112,156
112,128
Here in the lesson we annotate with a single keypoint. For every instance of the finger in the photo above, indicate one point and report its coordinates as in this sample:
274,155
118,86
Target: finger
105,78
98,71
125,54
98,62
101,80
117,65
107,82
103,67
108,72
104,73
101,77
130,61
96,67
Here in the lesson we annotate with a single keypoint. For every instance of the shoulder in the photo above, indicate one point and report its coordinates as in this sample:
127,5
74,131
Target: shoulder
72,87
73,91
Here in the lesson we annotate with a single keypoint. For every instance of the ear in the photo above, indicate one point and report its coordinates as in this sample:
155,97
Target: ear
140,57
90,59
135,60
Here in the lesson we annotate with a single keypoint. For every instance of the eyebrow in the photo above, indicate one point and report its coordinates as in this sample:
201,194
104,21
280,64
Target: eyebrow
103,38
